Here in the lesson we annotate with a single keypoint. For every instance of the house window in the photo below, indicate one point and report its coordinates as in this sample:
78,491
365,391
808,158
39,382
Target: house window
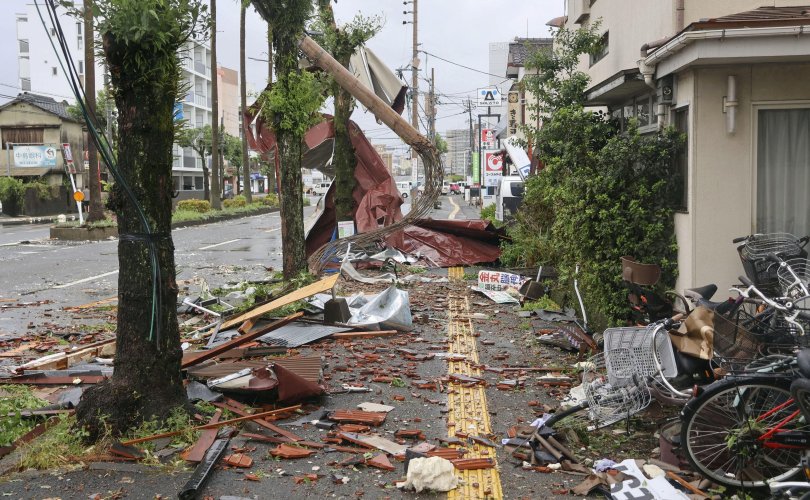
25,83
23,46
603,49
19,135
188,183
81,67
681,160
198,183
53,70
783,171
176,182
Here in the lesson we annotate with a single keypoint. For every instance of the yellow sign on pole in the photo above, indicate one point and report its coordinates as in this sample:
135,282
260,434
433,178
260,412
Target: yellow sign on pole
78,196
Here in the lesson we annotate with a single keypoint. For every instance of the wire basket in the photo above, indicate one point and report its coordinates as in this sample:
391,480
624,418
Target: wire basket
756,249
609,402
794,276
630,350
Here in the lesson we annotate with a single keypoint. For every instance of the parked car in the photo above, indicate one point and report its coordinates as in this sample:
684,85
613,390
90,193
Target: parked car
404,188
455,188
321,188
445,188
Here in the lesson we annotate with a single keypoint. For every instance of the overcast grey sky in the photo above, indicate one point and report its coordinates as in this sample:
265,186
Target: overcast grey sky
456,30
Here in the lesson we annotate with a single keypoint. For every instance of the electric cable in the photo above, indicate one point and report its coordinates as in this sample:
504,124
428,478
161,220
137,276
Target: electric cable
148,236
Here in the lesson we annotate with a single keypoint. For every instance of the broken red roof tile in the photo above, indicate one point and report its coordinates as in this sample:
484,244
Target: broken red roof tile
238,460
381,462
287,451
473,463
358,417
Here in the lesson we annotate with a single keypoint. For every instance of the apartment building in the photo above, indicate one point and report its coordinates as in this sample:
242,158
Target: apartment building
732,75
459,152
41,73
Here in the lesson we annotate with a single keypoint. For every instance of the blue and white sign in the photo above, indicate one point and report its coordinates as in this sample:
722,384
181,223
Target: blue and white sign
34,156
489,96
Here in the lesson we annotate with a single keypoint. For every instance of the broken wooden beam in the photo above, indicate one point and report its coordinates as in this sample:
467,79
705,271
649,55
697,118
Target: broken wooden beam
198,450
302,293
235,407
364,335
212,426
242,339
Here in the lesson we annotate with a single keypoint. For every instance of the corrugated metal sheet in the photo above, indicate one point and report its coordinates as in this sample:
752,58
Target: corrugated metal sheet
307,367
298,334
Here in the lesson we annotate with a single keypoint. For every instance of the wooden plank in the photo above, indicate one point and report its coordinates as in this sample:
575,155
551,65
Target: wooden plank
63,361
215,425
60,380
19,350
242,339
197,452
364,335
262,422
302,293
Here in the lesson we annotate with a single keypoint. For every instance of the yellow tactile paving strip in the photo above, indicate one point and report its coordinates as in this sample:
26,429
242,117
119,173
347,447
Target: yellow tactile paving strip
468,411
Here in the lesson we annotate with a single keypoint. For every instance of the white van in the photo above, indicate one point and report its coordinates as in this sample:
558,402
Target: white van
320,188
508,197
404,188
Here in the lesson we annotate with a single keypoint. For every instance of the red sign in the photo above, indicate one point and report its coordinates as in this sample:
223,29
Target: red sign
493,162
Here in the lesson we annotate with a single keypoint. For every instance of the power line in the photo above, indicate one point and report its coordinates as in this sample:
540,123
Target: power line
460,65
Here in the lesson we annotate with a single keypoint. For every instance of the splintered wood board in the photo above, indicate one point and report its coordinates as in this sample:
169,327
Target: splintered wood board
302,293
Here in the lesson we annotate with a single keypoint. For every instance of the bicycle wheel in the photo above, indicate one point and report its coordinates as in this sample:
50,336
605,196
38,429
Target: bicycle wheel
721,428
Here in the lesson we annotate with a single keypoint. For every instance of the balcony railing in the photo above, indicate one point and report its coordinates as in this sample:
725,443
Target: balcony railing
190,162
201,100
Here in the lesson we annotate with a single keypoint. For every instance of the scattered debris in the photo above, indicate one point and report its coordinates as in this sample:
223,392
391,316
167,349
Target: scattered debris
433,473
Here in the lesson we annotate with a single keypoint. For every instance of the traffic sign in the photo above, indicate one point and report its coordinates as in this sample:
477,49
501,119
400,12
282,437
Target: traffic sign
489,96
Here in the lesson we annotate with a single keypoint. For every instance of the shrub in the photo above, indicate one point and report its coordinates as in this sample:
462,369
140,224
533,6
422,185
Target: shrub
488,213
199,206
235,202
271,200
11,195
43,191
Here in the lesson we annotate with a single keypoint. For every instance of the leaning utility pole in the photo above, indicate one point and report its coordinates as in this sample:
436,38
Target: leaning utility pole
243,105
472,138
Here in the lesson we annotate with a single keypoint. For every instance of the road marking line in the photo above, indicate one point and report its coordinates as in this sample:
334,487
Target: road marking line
468,405
85,280
272,230
456,208
219,244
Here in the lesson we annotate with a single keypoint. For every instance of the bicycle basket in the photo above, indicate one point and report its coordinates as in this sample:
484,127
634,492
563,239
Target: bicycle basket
609,403
754,256
794,276
629,351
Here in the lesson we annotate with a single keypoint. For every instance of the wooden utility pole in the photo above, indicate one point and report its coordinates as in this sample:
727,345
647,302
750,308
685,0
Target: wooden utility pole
430,107
415,86
243,105
96,207
216,189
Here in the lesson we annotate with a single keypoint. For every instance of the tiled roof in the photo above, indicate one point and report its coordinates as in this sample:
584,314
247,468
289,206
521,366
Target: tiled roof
767,14
521,48
44,103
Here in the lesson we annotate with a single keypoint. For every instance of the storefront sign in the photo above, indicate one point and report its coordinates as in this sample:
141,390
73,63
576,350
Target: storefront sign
34,156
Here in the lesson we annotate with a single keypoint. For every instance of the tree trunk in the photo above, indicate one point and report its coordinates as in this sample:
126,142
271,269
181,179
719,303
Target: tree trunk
146,381
345,159
206,182
243,104
292,206
96,207
216,166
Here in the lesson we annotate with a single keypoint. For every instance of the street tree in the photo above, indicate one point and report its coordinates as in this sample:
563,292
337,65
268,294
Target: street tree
342,42
216,166
440,143
291,108
243,99
198,139
232,152
140,41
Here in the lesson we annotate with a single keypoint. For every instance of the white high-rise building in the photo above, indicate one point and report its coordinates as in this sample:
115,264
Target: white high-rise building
41,73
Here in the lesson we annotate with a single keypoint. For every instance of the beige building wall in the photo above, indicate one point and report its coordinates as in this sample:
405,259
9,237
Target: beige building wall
228,92
722,166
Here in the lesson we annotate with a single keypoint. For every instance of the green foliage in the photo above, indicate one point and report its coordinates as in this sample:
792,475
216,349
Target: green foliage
271,200
12,192
603,194
293,103
456,178
152,32
14,398
233,150
178,420
60,445
198,139
103,104
43,191
199,206
488,213
542,303
440,143
236,201
192,215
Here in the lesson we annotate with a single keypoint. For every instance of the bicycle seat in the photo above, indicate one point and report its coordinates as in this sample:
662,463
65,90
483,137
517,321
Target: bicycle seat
803,359
705,292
